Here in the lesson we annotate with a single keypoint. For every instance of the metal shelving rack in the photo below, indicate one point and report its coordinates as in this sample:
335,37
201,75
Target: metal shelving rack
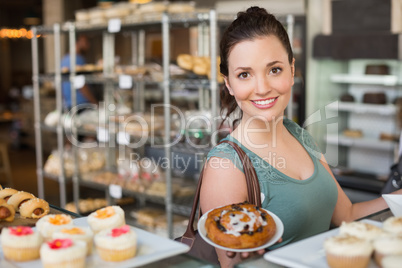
207,23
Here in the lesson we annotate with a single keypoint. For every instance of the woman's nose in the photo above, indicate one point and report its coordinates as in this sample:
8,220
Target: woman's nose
262,85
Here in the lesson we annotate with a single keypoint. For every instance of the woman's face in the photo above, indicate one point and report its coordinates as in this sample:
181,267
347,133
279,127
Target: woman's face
260,77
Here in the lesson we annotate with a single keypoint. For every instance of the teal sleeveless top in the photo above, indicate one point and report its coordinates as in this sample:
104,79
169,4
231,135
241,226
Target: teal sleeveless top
304,206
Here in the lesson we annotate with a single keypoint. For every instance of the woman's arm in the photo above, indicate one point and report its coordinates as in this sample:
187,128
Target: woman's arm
222,184
346,211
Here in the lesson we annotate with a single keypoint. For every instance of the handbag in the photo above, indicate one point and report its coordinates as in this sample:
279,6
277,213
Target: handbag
198,247
394,181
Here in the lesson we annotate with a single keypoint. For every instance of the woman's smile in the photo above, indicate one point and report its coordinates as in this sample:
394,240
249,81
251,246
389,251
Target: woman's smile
264,103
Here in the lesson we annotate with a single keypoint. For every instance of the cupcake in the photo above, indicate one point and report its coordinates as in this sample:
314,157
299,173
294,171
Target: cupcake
108,217
49,224
63,253
360,229
393,261
387,245
20,243
77,233
116,244
393,225
345,251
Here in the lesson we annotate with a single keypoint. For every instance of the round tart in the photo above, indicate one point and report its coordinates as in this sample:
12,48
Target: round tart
240,226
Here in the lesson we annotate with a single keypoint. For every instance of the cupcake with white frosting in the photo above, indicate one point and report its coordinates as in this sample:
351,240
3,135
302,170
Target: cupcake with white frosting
360,229
49,224
387,245
393,261
345,251
20,243
116,244
77,233
393,225
108,217
64,253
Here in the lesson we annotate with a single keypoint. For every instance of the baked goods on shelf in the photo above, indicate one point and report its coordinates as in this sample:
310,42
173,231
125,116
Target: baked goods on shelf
20,243
116,244
198,65
353,133
378,69
345,251
108,217
375,98
88,160
92,204
347,98
34,208
240,225
7,211
75,233
63,253
49,224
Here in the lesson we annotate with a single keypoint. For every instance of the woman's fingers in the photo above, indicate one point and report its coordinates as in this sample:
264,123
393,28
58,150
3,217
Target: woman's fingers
230,254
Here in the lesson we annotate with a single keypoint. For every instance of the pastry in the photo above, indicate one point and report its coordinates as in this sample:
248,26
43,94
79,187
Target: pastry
7,211
34,208
392,261
185,61
393,225
7,192
63,253
20,243
379,69
49,224
76,233
17,199
108,217
386,245
116,244
375,98
361,230
240,226
201,65
181,7
347,98
345,251
353,133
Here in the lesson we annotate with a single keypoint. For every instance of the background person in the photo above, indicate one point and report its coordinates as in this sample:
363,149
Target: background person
84,94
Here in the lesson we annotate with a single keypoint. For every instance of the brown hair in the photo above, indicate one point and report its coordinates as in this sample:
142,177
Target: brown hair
253,23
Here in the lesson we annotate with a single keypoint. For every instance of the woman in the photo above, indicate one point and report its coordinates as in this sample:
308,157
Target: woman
296,182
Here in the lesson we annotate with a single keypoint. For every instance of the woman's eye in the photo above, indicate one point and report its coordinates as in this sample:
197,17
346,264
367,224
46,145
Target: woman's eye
243,75
276,70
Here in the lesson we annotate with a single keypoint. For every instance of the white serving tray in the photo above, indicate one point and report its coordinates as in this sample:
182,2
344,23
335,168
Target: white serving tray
150,248
309,252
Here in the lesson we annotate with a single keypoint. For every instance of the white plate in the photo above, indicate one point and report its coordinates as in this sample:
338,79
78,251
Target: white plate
150,248
278,234
307,253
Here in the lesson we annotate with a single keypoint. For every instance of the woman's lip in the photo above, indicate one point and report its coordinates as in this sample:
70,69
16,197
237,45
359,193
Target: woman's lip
265,106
